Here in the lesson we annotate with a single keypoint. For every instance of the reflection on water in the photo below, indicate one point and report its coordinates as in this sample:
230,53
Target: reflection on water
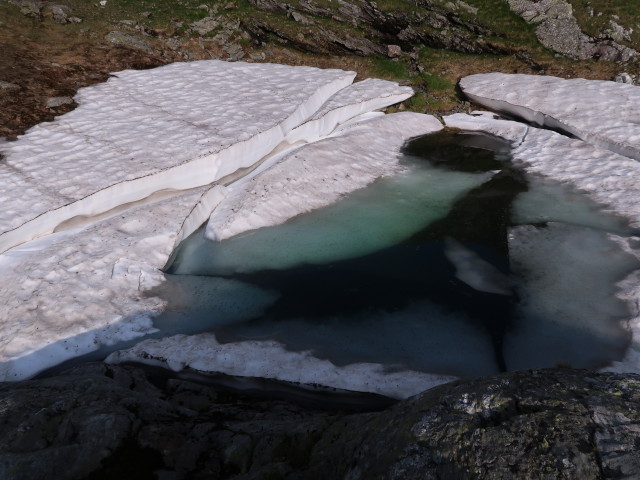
451,267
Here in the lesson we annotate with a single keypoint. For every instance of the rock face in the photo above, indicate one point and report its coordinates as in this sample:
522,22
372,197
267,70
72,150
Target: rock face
360,27
100,421
558,30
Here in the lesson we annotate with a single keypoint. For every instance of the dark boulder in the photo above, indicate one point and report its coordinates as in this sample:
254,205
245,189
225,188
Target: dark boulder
98,421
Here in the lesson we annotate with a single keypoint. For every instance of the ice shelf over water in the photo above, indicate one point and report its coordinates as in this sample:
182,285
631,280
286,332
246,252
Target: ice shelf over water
318,174
270,359
600,112
161,136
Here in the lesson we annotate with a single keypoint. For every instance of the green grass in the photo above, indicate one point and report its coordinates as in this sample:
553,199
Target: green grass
390,69
627,11
496,15
417,103
435,83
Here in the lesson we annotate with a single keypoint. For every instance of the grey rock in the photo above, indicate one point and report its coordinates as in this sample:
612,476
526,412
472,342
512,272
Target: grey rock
544,424
468,8
459,5
172,44
301,19
30,8
206,25
624,78
394,51
60,13
617,32
558,30
54,102
122,39
234,51
8,86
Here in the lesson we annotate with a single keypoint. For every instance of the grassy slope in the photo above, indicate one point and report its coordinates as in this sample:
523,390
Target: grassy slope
48,59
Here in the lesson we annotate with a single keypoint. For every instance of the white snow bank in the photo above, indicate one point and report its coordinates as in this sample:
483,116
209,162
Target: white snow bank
318,174
604,113
358,98
69,293
179,126
270,359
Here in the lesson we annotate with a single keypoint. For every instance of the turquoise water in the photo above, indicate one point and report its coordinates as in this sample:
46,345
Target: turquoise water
387,212
459,265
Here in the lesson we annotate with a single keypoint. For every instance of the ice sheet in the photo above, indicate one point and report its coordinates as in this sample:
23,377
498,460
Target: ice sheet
569,310
603,113
179,126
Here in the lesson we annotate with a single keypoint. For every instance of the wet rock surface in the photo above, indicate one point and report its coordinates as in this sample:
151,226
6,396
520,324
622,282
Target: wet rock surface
98,421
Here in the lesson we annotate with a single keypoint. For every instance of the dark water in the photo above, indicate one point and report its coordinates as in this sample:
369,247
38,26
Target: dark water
456,289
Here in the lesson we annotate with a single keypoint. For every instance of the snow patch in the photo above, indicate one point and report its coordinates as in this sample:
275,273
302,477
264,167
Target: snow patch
270,359
174,127
603,113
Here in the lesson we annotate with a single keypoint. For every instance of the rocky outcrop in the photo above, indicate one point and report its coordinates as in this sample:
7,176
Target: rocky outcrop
121,39
360,27
38,9
558,30
99,421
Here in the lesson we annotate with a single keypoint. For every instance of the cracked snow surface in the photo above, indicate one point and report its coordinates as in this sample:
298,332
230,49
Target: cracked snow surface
143,127
599,112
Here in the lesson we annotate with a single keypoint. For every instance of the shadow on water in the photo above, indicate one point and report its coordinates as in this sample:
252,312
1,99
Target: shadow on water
414,270
458,266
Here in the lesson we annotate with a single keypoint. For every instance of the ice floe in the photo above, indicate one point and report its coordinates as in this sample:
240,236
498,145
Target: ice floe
604,113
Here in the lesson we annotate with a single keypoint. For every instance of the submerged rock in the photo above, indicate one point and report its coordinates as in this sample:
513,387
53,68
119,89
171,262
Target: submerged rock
120,422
